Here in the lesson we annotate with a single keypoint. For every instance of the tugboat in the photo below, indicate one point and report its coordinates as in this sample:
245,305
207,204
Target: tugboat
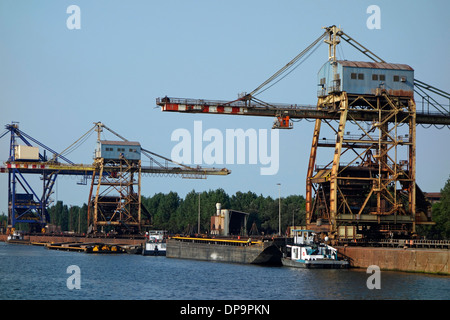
155,244
16,237
306,253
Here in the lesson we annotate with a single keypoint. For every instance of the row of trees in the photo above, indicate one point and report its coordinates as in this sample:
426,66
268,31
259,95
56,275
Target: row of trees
180,215
68,218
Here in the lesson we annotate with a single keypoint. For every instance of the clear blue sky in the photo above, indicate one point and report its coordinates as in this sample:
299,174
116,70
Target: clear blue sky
56,82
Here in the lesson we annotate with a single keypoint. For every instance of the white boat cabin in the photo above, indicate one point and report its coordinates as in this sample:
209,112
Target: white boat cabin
155,235
305,249
303,236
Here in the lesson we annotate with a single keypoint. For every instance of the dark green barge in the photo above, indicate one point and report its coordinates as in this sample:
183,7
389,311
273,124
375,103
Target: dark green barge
246,251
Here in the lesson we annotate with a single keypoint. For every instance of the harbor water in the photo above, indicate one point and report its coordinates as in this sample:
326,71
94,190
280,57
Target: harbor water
36,273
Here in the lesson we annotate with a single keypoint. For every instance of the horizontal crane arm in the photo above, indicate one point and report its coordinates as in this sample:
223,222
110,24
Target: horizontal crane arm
89,170
250,108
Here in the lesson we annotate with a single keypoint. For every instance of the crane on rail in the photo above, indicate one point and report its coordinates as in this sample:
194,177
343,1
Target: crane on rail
115,175
374,193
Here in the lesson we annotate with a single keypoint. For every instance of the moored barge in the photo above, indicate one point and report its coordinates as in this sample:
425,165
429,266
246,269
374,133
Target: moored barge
246,251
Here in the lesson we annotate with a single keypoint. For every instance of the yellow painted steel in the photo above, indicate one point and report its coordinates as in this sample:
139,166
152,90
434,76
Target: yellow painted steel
89,168
218,240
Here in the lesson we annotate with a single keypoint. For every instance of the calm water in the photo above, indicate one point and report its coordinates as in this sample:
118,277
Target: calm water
29,272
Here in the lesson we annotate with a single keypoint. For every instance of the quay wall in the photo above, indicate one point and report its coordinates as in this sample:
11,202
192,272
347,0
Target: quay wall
399,259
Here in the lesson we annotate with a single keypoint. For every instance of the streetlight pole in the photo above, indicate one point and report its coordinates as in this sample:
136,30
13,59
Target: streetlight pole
293,214
279,208
198,226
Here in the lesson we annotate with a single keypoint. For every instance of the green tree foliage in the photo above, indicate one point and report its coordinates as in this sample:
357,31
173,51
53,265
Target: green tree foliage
178,215
3,222
441,216
68,219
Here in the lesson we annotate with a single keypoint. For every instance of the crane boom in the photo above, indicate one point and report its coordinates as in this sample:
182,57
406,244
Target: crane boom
292,111
251,106
89,170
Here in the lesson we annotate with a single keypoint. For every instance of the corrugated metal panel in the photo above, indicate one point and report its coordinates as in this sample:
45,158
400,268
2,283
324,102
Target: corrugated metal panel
114,150
357,77
375,65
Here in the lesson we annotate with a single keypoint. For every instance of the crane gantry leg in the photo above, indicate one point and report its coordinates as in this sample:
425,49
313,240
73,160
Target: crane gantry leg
336,161
115,204
367,188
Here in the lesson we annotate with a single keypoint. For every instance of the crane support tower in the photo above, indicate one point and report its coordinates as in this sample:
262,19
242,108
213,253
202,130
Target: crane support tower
117,184
357,185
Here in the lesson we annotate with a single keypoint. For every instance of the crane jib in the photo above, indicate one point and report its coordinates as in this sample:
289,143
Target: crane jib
294,112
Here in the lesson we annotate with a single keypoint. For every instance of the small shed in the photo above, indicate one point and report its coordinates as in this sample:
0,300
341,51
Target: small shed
116,150
229,222
356,77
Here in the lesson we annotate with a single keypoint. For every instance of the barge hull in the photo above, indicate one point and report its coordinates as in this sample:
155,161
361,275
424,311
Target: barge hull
323,264
264,253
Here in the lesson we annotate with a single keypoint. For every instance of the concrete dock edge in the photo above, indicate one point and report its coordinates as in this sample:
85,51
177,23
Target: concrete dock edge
434,261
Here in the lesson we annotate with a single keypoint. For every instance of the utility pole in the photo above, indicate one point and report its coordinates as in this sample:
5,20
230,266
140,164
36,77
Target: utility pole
293,215
79,220
198,226
279,208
